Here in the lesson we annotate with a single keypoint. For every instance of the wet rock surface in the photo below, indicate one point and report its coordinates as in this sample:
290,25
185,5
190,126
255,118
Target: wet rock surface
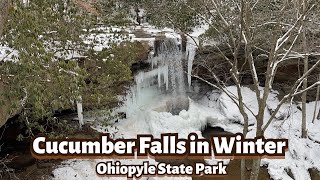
176,105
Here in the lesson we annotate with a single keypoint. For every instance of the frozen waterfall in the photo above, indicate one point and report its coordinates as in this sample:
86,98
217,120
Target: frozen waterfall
167,69
164,81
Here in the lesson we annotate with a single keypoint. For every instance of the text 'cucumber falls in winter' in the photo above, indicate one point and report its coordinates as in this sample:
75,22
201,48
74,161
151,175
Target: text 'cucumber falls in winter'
168,145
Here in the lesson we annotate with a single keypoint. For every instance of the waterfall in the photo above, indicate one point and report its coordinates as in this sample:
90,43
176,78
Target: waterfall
166,77
166,67
171,56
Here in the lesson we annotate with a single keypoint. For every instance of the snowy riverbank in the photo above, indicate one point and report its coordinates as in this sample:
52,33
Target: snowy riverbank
216,110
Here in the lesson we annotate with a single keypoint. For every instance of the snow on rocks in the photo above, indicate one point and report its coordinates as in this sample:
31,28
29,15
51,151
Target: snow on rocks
230,109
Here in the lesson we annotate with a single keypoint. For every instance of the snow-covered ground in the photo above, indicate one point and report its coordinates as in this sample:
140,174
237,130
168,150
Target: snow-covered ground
214,109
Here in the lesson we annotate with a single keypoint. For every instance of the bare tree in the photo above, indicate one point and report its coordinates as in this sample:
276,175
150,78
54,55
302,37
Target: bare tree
302,5
249,33
283,48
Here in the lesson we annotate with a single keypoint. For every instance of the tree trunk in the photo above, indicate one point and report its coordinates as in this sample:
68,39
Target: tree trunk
318,117
255,169
304,108
245,132
256,162
4,11
305,83
316,103
243,169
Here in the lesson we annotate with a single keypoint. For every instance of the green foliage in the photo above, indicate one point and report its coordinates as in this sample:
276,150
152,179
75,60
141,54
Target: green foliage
174,14
43,79
109,73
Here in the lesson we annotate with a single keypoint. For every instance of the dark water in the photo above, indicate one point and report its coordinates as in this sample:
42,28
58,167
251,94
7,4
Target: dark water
233,168
214,131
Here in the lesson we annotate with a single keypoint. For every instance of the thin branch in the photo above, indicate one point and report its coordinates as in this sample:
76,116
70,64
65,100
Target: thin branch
307,89
290,95
232,96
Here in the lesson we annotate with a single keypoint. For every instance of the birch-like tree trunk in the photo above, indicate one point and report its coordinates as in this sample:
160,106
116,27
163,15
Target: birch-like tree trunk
305,81
316,103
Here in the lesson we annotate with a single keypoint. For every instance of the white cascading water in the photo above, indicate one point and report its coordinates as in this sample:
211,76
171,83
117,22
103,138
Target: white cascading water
166,68
166,78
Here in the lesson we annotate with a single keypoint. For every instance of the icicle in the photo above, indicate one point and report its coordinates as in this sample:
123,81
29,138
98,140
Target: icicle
167,63
80,113
133,94
154,62
190,54
145,79
159,77
166,76
139,79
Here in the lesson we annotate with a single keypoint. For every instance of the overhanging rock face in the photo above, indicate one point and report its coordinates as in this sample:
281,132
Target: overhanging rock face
209,60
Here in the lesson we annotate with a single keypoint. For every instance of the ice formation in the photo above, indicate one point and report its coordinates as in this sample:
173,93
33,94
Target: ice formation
166,67
191,48
80,113
145,79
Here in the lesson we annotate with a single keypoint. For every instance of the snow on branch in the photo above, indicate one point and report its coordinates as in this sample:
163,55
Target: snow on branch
292,44
219,13
307,89
282,40
293,92
232,96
